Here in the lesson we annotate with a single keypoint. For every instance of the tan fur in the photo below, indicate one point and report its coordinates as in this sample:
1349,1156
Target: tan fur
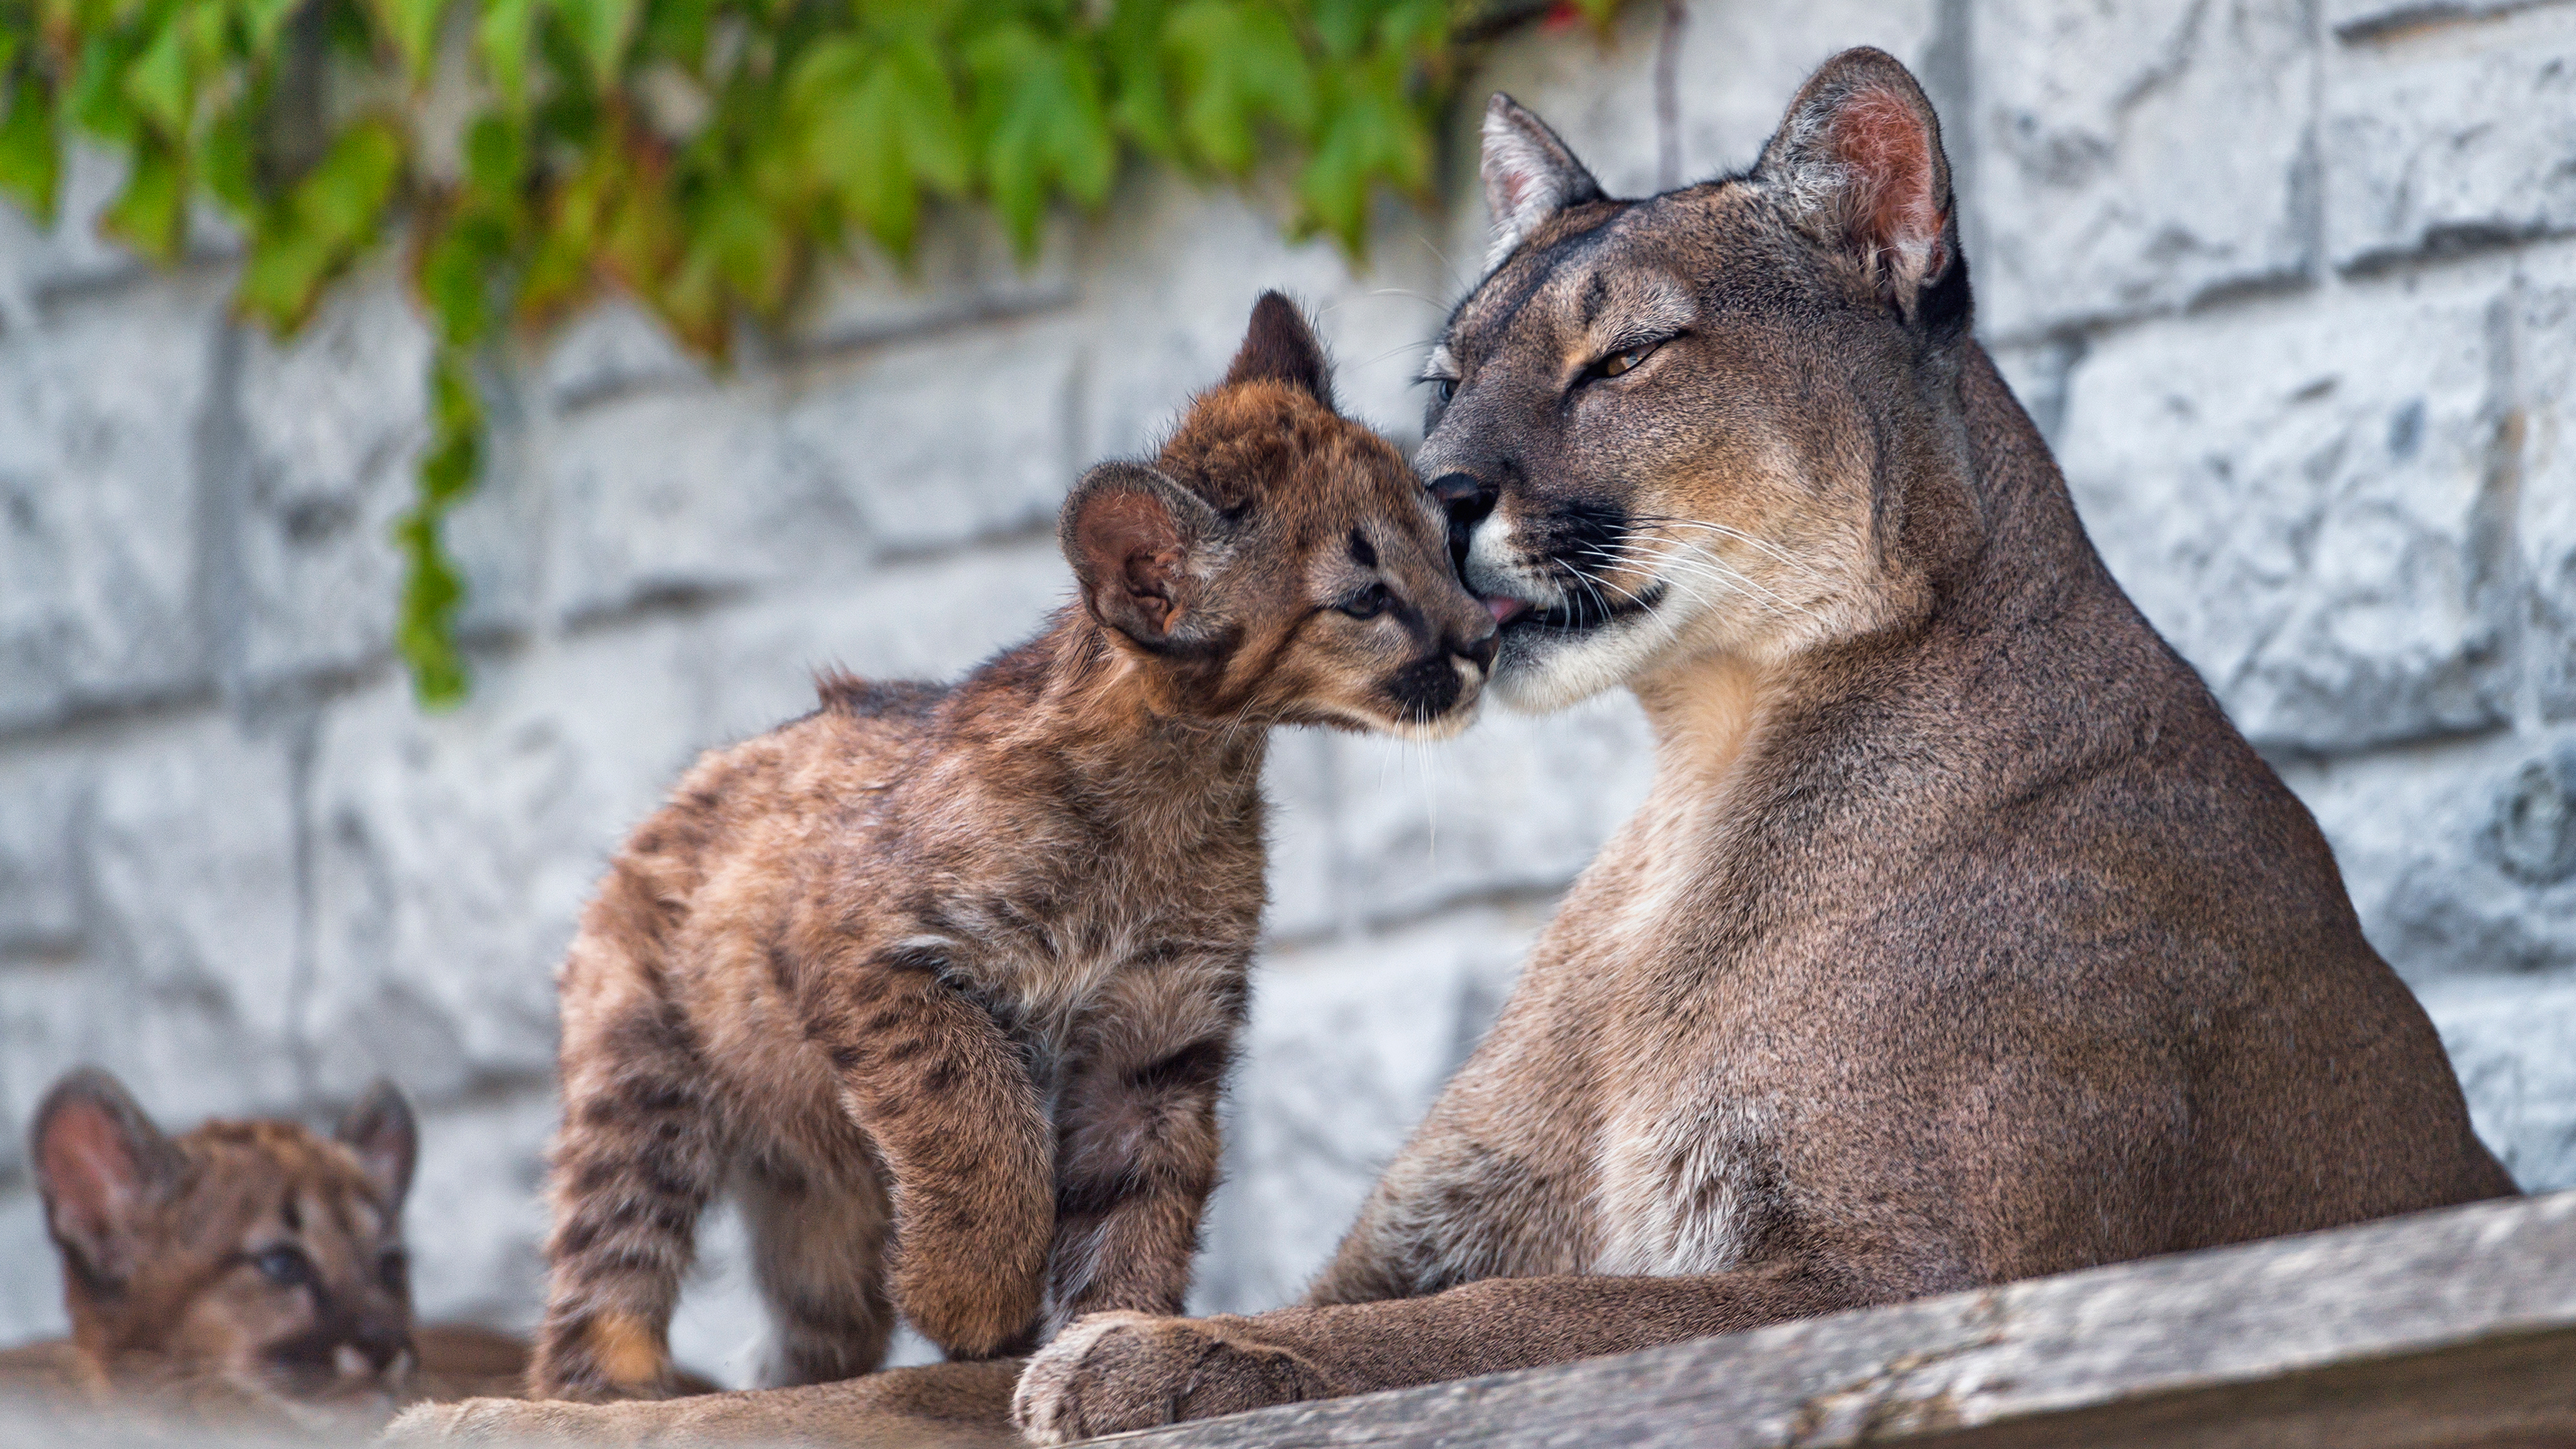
944,981
173,1317
1961,938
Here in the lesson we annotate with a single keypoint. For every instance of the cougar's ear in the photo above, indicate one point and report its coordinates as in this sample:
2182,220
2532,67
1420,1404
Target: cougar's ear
1858,162
381,1131
1530,175
1281,347
102,1168
1135,539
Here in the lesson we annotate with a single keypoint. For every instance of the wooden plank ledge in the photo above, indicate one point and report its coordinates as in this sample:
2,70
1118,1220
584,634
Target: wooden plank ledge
2447,1328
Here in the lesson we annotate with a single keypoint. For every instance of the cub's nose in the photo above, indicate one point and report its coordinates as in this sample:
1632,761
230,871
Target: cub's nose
1480,651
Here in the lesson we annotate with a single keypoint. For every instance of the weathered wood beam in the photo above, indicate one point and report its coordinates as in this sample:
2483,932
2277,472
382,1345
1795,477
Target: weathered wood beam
2448,1328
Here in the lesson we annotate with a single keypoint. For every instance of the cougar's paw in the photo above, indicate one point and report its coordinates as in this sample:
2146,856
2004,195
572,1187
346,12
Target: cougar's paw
1112,1372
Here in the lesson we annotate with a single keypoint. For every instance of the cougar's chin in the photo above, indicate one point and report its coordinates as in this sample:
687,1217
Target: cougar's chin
1554,656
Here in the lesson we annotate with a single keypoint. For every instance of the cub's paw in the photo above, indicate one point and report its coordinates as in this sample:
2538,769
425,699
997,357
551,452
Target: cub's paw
1112,1372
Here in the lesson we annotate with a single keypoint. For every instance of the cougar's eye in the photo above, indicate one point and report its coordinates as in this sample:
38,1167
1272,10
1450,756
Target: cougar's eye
1619,362
1368,603
284,1266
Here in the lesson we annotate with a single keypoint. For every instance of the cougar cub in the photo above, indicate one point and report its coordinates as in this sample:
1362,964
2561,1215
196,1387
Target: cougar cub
943,981
245,1273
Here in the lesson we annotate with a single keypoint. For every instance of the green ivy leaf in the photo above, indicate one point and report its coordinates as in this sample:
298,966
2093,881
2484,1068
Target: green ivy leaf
1042,124
262,20
1240,63
31,149
432,589
159,83
1140,79
501,41
330,216
883,124
97,100
601,28
151,213
1372,132
413,27
226,160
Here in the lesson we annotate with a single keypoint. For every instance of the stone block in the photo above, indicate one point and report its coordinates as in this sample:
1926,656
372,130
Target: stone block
39,264
2134,155
1516,804
615,346
1305,862
752,666
190,856
2372,19
332,425
476,1223
962,271
2544,369
99,499
40,803
1167,319
2513,1041
2460,858
452,853
948,438
1737,68
31,1283
1348,1045
2457,138
675,496
2307,501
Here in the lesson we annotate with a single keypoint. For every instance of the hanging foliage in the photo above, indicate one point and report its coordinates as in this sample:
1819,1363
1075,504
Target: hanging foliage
698,155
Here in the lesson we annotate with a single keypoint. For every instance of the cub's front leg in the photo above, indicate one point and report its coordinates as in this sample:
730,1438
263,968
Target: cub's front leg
947,1099
1137,1143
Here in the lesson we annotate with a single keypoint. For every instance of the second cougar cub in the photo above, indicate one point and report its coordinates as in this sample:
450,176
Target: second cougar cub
943,981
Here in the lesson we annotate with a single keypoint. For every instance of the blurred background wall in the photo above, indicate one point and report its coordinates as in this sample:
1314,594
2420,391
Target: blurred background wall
2291,285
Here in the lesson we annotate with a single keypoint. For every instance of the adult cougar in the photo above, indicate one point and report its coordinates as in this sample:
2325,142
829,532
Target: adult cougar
1962,938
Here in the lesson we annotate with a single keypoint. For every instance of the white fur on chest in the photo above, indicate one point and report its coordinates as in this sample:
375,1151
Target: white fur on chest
1681,1187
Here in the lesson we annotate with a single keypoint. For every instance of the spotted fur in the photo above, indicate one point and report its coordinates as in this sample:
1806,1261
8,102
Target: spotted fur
944,982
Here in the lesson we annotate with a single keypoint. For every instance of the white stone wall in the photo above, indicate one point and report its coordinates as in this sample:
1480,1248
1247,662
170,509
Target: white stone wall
2292,286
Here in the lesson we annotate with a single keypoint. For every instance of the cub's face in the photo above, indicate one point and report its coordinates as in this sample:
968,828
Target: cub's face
1660,425
1279,563
254,1255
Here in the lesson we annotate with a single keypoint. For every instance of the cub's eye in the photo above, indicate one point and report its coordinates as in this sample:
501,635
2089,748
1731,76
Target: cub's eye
1442,389
395,1269
1619,362
284,1266
1368,603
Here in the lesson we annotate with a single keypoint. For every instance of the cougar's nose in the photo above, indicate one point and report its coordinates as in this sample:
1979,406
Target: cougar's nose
1466,498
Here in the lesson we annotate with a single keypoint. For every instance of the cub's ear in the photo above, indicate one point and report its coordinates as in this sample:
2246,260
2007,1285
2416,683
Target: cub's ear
1134,538
1279,346
102,1168
1530,175
1858,162
381,1131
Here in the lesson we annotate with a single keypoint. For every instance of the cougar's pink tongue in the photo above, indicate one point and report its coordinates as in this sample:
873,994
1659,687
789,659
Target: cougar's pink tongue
1506,610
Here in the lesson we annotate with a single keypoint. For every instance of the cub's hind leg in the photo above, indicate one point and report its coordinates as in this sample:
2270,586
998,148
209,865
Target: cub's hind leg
638,1156
818,1243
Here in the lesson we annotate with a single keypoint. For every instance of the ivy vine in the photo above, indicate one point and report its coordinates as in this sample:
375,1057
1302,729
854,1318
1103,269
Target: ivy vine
698,155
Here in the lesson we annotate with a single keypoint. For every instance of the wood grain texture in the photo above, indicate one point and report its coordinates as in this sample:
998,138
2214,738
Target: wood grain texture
2445,1328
